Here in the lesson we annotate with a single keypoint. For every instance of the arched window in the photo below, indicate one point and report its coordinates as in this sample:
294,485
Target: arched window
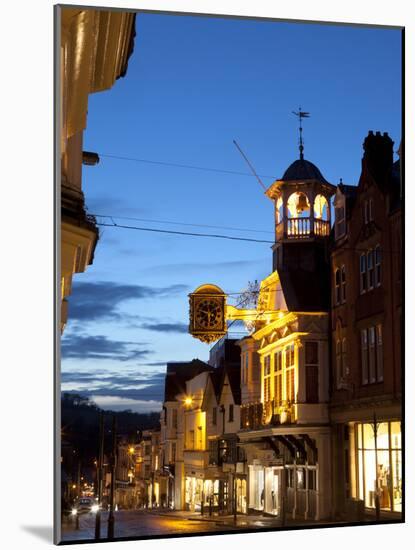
298,212
298,205
279,210
321,208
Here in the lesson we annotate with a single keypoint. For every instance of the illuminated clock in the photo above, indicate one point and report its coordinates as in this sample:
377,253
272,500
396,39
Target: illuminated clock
209,314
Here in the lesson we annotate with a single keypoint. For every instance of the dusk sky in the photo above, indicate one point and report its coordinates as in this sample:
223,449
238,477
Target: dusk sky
193,85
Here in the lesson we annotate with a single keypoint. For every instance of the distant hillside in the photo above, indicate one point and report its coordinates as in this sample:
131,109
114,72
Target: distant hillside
80,425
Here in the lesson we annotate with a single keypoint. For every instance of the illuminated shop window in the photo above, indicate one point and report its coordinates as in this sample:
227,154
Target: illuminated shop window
379,459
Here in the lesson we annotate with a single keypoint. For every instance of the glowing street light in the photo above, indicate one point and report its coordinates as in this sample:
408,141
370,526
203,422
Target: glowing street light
188,401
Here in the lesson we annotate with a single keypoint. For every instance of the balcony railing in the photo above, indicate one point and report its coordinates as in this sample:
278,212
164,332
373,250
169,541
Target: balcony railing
321,228
302,228
298,228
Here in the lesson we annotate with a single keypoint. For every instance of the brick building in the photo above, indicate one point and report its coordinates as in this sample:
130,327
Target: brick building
366,327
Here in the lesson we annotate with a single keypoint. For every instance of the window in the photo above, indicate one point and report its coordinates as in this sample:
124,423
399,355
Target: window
338,362
378,269
278,378
379,461
174,418
214,416
246,366
191,440
289,374
343,284
200,437
340,227
267,378
345,366
173,452
370,270
365,212
363,344
379,352
362,273
337,287
230,419
311,369
371,214
372,354
372,357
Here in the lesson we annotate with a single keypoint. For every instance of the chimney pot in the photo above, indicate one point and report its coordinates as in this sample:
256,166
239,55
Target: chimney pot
378,133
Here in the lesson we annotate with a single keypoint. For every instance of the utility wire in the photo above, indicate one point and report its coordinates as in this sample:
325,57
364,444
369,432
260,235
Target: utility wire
211,235
180,223
189,166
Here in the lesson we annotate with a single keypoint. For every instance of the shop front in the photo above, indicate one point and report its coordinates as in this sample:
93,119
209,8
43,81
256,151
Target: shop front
206,496
265,488
379,464
241,496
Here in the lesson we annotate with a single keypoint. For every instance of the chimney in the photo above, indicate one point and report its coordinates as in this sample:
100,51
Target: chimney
378,155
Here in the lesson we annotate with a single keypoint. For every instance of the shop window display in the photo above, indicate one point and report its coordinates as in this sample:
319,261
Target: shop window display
380,465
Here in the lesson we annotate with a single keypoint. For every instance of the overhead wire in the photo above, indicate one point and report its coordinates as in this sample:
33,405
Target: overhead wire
179,223
208,235
188,166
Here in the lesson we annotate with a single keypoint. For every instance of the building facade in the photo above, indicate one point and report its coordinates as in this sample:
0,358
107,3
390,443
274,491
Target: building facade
366,330
94,50
285,430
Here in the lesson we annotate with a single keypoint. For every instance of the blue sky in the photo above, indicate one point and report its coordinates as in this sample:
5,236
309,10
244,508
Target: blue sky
193,85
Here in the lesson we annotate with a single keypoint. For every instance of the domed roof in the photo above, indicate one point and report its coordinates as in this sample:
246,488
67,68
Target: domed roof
302,169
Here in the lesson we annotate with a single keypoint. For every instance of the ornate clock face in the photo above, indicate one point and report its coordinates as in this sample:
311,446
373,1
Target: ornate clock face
209,314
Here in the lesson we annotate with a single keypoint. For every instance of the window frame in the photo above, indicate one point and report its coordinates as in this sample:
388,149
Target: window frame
363,273
337,286
343,284
378,265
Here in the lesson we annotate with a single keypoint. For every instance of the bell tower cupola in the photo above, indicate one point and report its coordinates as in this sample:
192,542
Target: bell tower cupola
302,215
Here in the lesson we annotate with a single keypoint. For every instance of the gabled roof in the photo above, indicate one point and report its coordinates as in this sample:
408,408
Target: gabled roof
234,376
177,374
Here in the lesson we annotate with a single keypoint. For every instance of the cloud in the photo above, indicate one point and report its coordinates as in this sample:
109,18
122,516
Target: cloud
92,301
78,346
166,327
130,388
112,403
196,267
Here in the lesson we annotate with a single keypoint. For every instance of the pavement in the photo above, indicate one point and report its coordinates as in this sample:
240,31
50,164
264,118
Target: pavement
159,522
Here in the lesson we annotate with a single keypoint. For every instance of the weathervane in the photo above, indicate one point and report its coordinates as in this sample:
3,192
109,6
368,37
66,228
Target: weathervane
301,114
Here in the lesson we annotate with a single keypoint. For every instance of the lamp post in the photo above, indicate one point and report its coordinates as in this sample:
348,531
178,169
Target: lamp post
111,518
99,475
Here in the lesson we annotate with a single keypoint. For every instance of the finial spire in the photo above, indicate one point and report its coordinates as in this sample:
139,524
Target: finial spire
301,114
